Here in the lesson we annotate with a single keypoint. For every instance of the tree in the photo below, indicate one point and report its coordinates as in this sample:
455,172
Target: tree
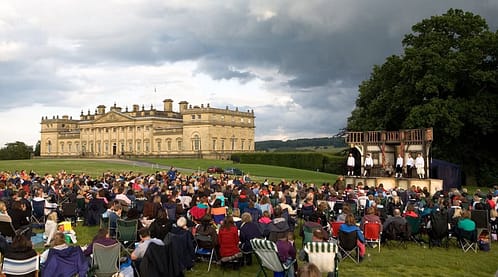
37,148
16,151
447,78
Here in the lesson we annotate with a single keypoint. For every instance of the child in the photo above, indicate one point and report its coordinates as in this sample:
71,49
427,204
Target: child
286,251
265,219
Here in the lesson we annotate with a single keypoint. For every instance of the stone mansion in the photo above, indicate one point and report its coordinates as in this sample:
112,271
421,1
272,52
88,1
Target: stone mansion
193,131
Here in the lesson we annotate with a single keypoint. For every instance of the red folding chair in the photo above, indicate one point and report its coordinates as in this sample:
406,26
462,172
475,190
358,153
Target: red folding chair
335,225
372,231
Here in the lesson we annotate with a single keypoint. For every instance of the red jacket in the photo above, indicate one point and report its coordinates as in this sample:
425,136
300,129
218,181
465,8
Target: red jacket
228,240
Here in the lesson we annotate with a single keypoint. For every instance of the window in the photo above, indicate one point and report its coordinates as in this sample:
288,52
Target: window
232,142
106,147
169,145
198,116
180,145
196,143
49,146
130,146
214,145
62,147
159,146
91,147
147,146
222,145
77,147
242,145
69,147
98,147
138,146
193,117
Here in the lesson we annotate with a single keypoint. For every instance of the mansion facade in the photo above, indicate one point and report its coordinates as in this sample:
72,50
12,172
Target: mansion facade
198,131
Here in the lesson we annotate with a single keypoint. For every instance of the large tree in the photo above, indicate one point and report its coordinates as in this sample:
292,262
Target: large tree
447,78
16,151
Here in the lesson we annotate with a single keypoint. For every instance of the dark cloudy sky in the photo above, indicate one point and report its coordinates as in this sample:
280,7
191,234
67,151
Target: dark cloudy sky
297,64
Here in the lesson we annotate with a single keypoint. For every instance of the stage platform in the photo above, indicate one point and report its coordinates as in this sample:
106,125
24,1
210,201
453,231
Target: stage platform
432,185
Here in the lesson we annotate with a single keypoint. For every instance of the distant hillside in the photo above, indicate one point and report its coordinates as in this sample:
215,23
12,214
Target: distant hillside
270,145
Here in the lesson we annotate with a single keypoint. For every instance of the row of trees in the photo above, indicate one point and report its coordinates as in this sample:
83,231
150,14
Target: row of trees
18,151
447,78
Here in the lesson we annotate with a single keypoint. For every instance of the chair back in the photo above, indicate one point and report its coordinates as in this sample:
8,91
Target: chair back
335,225
323,255
481,218
372,230
268,254
218,214
7,229
106,259
348,240
308,233
126,230
69,209
21,267
204,241
38,208
439,225
414,223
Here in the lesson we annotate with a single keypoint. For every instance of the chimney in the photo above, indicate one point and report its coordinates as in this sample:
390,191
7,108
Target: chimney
101,109
136,107
183,106
168,105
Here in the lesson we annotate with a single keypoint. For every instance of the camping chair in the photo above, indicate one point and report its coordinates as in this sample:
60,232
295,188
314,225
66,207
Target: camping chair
467,240
38,214
105,261
438,231
372,231
308,233
481,218
267,254
69,211
324,256
335,226
348,245
21,267
206,251
397,232
126,232
7,229
414,225
218,214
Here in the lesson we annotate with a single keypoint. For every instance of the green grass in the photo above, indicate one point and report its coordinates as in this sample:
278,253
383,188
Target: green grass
94,168
256,171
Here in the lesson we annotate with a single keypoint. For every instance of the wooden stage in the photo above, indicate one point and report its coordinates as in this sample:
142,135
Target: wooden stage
432,185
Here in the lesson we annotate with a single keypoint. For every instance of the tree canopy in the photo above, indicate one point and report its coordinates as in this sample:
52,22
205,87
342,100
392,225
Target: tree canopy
16,151
446,78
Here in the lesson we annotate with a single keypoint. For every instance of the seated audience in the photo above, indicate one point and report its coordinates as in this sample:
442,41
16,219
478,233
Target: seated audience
161,225
50,227
286,251
350,226
248,230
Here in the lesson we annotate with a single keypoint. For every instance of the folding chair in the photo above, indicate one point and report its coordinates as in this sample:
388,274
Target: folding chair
399,232
69,211
38,214
414,224
21,267
481,218
438,230
126,232
324,256
308,233
467,240
218,214
348,245
335,226
372,231
7,229
206,251
267,254
105,261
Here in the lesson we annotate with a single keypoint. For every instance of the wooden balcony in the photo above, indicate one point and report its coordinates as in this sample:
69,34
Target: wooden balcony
412,136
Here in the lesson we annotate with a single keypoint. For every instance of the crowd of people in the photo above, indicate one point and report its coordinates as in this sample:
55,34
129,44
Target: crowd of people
227,210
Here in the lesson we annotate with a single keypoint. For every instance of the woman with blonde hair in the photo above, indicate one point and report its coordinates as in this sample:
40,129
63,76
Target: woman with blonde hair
309,270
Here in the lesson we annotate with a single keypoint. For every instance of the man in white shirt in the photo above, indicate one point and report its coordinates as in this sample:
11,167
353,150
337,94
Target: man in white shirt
368,164
350,164
409,166
399,166
419,164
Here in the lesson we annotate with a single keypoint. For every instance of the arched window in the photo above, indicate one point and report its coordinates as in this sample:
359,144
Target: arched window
49,146
197,143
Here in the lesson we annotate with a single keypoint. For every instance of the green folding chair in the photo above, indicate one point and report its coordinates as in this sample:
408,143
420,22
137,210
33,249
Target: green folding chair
126,232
